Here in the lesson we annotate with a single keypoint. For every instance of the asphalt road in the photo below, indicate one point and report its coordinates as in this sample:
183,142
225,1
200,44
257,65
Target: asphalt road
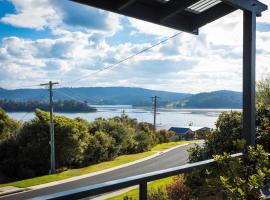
172,158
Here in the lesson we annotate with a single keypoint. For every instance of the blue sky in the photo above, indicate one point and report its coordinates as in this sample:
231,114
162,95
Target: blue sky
42,40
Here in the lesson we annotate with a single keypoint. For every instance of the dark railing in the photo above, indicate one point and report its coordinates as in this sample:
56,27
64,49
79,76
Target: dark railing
141,180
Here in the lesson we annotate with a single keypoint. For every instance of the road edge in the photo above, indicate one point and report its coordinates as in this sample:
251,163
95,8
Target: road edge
102,171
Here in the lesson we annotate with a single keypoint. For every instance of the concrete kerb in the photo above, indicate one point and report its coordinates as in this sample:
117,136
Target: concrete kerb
10,190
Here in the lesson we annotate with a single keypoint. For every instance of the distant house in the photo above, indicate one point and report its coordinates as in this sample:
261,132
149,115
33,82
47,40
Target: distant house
199,132
181,133
190,132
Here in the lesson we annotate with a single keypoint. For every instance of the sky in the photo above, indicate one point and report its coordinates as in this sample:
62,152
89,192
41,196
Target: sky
42,40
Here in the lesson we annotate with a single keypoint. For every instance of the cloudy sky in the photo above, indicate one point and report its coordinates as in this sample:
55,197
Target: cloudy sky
42,40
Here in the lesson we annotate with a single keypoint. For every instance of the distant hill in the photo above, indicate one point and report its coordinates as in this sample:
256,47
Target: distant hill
130,96
97,95
217,99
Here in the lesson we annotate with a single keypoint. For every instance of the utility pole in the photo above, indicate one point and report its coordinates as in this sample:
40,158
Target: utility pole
50,84
154,100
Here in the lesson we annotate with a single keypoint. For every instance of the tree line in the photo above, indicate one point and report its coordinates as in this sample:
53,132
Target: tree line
59,106
25,149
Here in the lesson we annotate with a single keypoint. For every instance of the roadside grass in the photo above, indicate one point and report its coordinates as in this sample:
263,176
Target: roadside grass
134,193
165,146
124,159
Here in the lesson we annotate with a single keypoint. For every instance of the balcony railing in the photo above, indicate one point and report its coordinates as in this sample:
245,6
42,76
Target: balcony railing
141,180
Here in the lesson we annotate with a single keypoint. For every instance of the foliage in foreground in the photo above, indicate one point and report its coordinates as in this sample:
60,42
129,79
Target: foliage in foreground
172,188
243,178
227,178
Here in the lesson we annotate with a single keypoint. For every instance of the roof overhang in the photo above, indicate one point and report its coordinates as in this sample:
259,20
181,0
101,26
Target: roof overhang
184,15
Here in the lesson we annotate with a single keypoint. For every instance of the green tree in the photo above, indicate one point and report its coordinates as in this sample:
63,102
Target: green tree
263,127
99,148
164,136
263,93
243,178
144,141
226,137
8,126
71,141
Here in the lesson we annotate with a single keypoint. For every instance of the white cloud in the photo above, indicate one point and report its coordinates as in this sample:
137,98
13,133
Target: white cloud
37,14
61,16
187,63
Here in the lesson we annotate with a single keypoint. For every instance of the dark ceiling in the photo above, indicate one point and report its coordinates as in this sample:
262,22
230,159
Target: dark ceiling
184,15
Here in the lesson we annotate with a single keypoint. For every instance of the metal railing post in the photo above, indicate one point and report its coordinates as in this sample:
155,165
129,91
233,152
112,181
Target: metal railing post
143,191
249,74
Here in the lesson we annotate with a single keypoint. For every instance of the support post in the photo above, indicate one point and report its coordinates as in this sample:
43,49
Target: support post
143,191
50,84
249,75
52,130
154,99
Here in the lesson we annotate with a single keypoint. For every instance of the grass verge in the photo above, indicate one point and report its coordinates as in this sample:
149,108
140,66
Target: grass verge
134,193
165,146
124,159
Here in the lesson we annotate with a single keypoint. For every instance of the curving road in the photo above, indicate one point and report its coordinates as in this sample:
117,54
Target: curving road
172,158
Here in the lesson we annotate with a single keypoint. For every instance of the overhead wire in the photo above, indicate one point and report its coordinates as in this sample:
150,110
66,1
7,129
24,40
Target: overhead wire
71,97
21,87
107,67
125,59
27,113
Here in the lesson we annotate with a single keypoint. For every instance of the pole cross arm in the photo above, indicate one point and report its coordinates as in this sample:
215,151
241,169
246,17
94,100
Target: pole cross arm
249,5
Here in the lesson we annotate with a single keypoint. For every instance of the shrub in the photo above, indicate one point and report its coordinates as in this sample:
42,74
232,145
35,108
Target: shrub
263,127
177,190
243,178
227,137
144,141
157,194
8,158
8,126
99,148
33,149
122,135
164,136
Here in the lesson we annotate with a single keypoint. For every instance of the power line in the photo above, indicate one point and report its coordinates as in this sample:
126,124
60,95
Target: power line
81,96
125,59
71,97
21,87
27,113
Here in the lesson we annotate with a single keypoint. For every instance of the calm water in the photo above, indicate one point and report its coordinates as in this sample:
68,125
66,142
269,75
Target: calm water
165,117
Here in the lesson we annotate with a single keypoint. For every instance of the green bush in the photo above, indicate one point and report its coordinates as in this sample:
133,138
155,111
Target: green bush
99,148
227,137
8,126
157,194
71,141
263,127
144,141
243,178
177,190
8,158
163,136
